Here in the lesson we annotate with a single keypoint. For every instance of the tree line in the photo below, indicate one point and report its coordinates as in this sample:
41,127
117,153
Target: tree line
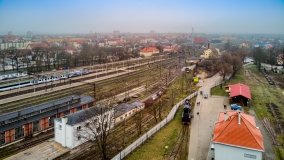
44,59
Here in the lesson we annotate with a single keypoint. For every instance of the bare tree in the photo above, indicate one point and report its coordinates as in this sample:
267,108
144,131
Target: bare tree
98,122
236,63
224,69
138,121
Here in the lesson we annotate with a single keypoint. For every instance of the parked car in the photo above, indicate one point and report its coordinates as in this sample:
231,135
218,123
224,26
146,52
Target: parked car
236,107
205,95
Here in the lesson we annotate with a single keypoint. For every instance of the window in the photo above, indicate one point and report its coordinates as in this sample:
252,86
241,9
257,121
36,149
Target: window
87,124
35,126
66,112
78,128
19,132
95,121
79,108
2,138
250,156
60,127
51,120
79,137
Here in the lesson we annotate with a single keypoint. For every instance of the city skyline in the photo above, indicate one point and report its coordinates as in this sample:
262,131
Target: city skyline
56,17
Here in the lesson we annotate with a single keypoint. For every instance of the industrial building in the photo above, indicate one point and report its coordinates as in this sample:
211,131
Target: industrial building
74,129
124,111
29,121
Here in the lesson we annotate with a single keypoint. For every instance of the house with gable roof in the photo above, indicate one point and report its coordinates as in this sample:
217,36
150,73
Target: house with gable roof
236,136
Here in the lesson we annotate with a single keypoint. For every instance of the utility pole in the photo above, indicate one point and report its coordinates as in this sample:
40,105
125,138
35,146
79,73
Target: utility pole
94,85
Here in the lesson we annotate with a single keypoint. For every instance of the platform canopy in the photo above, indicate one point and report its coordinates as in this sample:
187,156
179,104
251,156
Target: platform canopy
239,90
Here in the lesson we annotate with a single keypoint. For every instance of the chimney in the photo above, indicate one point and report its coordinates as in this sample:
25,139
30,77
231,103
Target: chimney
64,120
225,116
208,46
239,117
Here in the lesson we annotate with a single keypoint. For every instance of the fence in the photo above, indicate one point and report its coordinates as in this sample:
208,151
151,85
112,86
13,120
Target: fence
152,131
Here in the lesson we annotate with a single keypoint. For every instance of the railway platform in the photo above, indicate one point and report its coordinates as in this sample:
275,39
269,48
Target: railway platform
45,151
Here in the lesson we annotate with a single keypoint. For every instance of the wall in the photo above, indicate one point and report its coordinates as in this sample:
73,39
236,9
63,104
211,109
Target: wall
224,152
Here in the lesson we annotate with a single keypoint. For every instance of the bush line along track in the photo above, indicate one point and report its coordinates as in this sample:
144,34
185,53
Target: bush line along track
31,101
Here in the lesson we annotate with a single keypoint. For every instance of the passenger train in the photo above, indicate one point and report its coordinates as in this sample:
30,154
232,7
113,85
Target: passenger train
43,79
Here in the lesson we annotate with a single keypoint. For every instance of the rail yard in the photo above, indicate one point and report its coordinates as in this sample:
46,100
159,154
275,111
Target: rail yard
151,76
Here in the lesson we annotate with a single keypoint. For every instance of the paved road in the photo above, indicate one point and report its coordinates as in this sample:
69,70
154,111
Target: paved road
202,125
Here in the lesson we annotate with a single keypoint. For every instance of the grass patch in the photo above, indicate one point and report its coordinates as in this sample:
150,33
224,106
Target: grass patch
218,91
154,148
238,78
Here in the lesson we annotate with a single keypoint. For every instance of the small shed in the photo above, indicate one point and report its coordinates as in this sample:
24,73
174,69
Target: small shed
240,93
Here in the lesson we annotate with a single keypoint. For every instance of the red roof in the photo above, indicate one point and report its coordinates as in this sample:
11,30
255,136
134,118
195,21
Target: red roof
149,49
244,135
240,90
200,40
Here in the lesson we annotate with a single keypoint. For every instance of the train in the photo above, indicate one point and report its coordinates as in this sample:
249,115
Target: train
43,79
186,114
13,75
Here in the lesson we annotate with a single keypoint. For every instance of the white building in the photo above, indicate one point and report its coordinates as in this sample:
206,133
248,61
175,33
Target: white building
237,137
16,45
75,129
125,111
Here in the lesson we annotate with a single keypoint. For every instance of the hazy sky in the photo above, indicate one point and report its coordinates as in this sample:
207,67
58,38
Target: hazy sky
84,16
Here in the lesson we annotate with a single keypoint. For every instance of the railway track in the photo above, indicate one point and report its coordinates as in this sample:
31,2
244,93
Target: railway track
116,138
146,121
45,86
85,88
181,143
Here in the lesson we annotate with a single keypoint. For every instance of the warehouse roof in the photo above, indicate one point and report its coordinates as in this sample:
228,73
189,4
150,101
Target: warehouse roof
83,115
45,106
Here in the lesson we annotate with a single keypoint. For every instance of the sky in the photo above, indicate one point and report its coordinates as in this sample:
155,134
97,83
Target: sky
85,16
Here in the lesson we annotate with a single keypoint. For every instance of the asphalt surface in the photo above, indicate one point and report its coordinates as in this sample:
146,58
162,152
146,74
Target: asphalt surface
202,124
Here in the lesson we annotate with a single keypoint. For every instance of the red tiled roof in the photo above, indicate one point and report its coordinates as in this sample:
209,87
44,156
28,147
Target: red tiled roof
240,89
200,40
149,49
244,135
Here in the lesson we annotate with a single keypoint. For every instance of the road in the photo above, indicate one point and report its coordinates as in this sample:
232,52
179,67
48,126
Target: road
202,125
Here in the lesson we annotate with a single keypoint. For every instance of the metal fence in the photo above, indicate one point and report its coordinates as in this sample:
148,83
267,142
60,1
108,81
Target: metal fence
152,131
